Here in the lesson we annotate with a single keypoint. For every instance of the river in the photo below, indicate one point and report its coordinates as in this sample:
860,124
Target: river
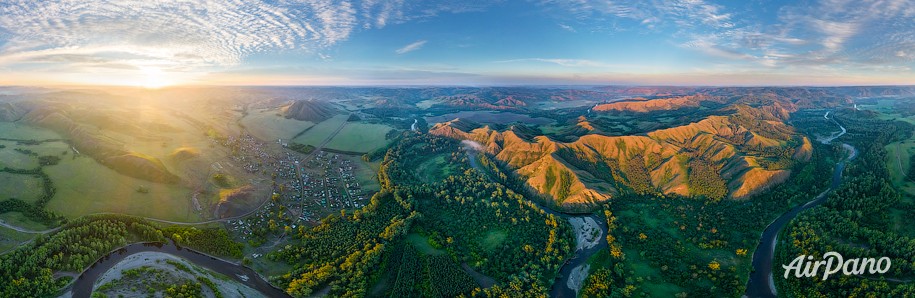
83,285
761,282
561,284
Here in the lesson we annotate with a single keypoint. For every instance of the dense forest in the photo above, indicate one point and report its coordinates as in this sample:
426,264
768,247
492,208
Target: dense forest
467,224
865,218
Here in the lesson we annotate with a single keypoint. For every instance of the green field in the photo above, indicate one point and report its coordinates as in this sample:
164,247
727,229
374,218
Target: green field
320,132
10,238
24,187
421,243
434,169
20,220
267,125
84,186
493,239
16,160
360,137
366,173
11,130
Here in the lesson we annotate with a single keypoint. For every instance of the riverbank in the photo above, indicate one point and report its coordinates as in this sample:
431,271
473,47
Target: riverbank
119,280
86,281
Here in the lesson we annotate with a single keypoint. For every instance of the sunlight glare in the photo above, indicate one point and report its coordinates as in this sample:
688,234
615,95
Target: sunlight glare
154,78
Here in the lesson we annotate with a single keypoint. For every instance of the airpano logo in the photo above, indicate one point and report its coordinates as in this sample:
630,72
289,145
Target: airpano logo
833,263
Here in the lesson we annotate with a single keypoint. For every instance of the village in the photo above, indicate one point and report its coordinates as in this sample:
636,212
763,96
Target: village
306,187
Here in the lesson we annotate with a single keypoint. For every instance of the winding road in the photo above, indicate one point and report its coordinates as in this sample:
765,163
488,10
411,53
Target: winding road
761,282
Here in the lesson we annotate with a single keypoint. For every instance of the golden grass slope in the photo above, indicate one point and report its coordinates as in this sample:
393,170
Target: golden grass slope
642,105
595,168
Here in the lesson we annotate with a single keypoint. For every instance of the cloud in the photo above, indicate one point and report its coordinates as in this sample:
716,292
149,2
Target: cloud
567,27
199,34
561,62
411,47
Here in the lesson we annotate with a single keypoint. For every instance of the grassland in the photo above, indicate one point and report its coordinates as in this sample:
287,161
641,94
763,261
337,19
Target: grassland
898,153
10,158
12,130
268,125
320,132
20,220
366,173
421,243
434,169
84,186
360,137
24,187
493,239
10,238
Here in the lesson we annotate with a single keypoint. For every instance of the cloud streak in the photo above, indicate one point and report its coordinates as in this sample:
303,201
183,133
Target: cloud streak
411,47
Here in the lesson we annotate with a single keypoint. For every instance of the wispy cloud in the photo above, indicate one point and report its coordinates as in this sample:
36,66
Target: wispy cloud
411,47
567,27
561,62
191,33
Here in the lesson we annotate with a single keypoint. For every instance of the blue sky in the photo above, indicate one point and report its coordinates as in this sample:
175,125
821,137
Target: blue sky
376,42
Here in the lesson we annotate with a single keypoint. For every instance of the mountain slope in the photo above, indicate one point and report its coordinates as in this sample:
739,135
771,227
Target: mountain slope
734,155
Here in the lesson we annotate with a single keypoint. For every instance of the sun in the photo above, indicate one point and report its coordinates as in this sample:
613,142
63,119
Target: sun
154,78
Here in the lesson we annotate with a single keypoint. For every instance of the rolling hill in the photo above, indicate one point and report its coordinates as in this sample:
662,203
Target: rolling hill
309,110
739,152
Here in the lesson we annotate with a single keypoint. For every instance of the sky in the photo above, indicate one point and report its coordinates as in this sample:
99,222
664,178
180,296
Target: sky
158,43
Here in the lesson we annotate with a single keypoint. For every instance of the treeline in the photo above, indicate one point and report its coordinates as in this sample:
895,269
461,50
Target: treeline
865,218
35,211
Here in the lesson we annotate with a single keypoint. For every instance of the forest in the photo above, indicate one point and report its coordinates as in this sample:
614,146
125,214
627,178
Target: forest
865,218
466,218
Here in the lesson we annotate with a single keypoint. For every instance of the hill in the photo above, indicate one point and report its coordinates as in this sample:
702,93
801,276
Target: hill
733,155
644,105
309,110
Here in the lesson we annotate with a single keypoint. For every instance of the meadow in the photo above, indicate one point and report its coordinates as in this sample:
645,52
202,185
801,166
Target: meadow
269,126
84,186
10,158
24,187
10,238
320,132
360,137
899,154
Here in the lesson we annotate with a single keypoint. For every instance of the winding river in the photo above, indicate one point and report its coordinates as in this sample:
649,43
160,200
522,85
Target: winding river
572,268
761,282
562,287
83,285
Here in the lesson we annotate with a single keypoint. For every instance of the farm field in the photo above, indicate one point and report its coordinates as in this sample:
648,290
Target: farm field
321,131
360,137
268,126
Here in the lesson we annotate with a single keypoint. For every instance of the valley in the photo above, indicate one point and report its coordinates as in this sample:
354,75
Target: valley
425,192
